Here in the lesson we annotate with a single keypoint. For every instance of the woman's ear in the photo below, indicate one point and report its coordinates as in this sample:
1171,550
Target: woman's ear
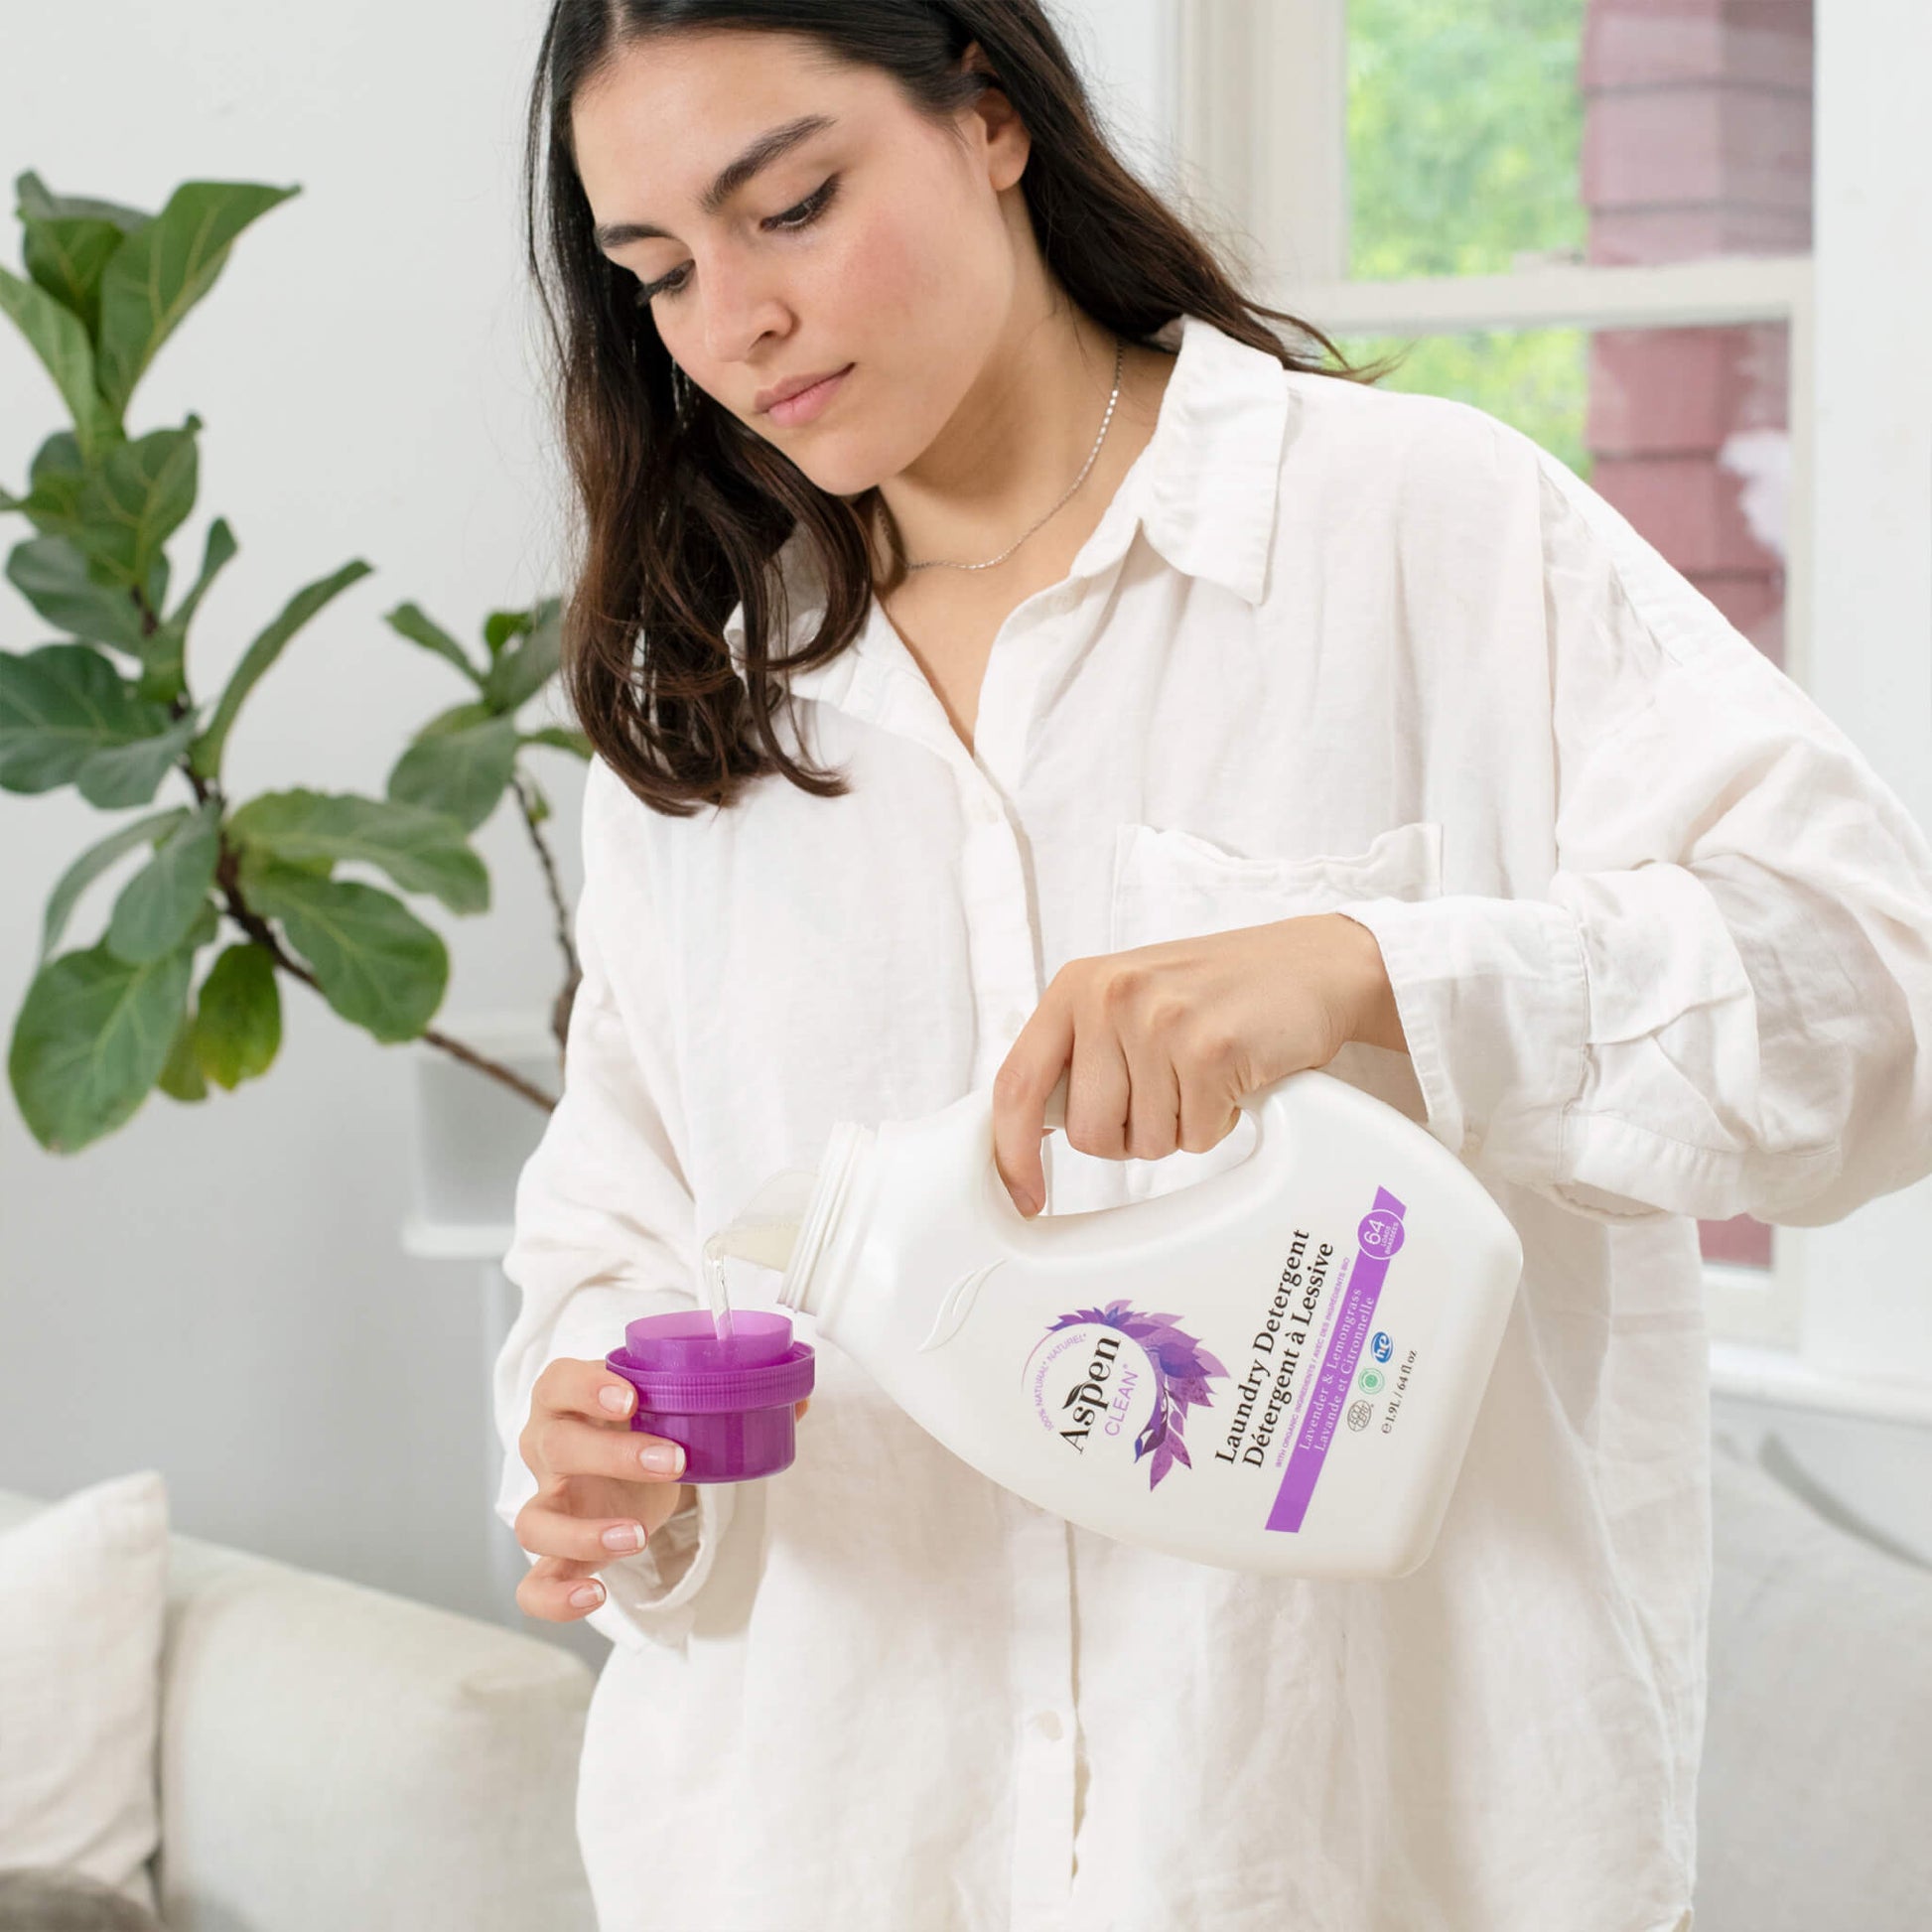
1006,140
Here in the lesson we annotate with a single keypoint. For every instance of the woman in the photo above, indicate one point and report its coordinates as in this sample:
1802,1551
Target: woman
1081,679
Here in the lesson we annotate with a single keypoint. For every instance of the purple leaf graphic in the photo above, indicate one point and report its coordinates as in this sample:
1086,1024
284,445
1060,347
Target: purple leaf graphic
1182,1370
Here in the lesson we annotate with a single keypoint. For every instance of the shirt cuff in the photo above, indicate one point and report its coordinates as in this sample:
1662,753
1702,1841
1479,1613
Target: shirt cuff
1494,997
649,1595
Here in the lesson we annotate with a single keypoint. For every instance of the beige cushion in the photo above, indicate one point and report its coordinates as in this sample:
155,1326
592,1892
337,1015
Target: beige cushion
83,1591
41,1900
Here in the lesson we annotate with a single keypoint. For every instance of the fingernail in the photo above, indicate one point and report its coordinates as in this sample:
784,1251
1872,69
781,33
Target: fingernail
665,1457
617,1400
624,1536
1024,1202
589,1597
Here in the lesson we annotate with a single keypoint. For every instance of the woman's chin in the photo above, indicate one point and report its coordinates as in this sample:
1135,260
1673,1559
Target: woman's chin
838,474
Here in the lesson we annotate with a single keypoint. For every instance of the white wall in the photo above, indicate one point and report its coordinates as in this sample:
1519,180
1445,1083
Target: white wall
1126,51
219,1290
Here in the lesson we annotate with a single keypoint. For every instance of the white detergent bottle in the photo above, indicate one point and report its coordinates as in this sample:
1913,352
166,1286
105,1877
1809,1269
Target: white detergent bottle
1275,1369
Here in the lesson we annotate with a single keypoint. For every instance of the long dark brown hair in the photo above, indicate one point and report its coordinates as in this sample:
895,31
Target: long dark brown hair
682,505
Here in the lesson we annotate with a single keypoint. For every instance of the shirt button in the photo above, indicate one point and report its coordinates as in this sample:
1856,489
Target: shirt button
1012,1021
985,810
1047,1724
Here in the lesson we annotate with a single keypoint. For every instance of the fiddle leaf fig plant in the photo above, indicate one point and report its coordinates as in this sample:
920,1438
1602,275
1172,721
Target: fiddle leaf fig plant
107,707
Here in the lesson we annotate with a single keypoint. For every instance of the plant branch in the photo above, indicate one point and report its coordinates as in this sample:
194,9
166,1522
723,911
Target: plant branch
470,1057
573,972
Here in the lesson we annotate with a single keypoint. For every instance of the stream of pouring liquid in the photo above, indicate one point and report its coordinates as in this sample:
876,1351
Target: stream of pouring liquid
767,1242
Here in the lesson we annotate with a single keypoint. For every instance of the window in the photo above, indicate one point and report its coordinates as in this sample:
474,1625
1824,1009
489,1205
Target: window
1592,218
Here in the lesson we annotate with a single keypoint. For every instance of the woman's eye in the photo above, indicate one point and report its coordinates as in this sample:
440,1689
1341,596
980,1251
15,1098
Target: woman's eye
789,222
809,209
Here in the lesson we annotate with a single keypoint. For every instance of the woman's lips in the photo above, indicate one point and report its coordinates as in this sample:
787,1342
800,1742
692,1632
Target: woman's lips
807,403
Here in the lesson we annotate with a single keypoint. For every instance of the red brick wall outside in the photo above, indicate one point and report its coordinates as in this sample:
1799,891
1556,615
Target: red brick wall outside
1696,142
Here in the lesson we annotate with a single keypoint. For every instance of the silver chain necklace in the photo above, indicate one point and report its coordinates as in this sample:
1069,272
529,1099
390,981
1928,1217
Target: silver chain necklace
941,563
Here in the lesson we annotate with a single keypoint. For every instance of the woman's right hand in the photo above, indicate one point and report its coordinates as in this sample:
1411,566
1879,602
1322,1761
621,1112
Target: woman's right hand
591,1484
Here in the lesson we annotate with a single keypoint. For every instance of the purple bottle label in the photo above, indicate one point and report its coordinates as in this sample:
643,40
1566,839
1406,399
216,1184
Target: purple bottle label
1377,1236
1116,1386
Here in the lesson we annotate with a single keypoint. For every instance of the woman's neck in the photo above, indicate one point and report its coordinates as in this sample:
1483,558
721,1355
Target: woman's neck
1020,437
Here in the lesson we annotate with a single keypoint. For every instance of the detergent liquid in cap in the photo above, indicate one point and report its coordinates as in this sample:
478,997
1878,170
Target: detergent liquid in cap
1277,1368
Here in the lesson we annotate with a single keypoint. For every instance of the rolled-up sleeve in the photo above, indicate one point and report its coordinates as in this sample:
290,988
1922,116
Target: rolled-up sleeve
1722,1004
604,1232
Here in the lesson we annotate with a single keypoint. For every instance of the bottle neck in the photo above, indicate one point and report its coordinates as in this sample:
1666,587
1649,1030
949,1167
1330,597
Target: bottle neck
809,1284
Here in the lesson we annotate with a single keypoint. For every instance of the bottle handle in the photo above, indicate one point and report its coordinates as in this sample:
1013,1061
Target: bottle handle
1278,1109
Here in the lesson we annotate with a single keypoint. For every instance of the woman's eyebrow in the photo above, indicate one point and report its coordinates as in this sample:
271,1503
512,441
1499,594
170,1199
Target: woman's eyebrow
767,148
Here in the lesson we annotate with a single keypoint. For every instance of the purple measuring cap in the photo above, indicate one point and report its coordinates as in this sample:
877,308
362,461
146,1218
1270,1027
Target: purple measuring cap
729,1403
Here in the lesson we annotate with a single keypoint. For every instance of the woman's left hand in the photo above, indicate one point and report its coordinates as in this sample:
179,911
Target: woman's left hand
1163,1042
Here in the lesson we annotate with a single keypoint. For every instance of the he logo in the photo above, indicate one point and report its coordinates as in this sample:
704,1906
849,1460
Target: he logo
1381,1347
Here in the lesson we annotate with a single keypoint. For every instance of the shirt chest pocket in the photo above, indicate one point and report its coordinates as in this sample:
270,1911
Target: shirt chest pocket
1174,885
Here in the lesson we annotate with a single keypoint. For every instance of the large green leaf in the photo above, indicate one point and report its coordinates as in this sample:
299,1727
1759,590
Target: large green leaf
53,576
208,922
120,776
256,660
63,709
423,851
135,500
238,1023
409,621
67,260
59,338
162,269
562,736
62,235
164,670
68,240
181,1075
459,763
95,861
217,547
378,964
501,626
39,203
518,675
55,480
91,1041
156,906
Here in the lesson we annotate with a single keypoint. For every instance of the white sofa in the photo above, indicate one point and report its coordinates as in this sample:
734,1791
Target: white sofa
1815,1793
332,1756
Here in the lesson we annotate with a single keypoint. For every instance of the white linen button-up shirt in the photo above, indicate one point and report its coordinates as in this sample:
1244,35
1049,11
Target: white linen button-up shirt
1661,942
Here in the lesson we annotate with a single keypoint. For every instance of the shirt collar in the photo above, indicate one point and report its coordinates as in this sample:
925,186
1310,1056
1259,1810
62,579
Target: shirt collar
1204,490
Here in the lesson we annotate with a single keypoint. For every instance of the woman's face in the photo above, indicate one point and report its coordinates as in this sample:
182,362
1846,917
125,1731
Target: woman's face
871,244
